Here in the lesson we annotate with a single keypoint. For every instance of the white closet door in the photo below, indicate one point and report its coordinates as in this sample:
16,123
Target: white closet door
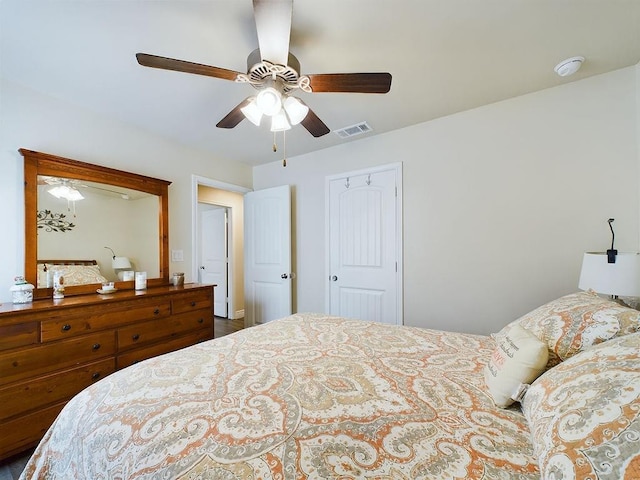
365,247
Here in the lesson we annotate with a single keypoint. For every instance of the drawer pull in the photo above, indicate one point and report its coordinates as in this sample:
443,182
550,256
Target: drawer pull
96,346
66,327
200,320
135,337
193,304
156,311
96,375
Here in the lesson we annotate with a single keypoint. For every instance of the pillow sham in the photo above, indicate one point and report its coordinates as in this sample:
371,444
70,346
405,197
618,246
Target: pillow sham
79,274
519,358
584,414
574,322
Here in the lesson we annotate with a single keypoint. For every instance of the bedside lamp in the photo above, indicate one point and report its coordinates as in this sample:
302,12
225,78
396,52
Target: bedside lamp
120,265
621,278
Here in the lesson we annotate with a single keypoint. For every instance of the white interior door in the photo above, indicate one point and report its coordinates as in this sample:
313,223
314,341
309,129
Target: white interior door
214,255
365,246
267,252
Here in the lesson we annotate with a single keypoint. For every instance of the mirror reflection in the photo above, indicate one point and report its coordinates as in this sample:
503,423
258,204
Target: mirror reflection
95,232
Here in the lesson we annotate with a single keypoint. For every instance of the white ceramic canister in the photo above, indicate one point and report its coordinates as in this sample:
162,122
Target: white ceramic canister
21,292
141,280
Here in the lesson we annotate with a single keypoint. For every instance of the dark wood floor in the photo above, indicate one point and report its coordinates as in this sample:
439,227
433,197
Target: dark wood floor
225,326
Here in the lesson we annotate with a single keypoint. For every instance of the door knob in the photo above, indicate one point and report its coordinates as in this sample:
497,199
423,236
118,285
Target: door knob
284,276
334,278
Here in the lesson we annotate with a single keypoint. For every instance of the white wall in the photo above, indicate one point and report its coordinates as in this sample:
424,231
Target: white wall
500,202
36,122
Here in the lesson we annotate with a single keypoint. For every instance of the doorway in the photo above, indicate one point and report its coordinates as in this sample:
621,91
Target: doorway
213,254
231,198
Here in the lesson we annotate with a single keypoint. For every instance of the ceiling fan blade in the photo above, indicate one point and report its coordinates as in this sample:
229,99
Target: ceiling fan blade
273,24
234,117
183,66
351,82
314,125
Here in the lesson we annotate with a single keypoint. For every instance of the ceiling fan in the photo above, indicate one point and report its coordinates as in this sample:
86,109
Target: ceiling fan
275,73
69,188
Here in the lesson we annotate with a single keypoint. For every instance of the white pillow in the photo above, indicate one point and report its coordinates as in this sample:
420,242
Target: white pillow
519,358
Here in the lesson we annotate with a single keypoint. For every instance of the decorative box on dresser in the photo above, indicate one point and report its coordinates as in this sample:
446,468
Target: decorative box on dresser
51,350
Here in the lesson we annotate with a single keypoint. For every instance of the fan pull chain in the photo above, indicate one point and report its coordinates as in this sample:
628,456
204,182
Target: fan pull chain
284,148
275,147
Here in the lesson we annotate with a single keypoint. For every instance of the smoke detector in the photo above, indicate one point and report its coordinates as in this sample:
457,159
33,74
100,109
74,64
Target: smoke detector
569,66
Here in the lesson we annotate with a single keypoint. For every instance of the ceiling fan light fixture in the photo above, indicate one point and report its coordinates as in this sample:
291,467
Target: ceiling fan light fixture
269,101
296,110
252,112
66,192
279,122
74,195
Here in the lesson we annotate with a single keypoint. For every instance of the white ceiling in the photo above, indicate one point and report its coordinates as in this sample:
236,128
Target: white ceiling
445,56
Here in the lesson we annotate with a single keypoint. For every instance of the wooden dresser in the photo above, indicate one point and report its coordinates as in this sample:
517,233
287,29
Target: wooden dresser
51,350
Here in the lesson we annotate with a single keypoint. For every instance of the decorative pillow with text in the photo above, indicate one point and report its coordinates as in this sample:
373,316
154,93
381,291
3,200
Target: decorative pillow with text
519,358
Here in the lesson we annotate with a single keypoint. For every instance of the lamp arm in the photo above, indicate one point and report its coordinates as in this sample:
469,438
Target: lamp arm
611,253
114,255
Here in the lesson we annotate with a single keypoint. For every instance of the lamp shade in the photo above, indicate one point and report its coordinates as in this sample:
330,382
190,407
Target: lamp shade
279,122
269,101
252,112
296,110
621,278
120,262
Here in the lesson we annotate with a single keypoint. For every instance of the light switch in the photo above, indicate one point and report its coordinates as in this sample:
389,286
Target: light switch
177,256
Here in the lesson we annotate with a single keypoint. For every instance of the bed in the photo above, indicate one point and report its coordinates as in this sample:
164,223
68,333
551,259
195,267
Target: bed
321,397
75,272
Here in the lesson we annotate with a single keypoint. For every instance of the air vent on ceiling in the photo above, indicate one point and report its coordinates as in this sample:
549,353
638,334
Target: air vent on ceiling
357,129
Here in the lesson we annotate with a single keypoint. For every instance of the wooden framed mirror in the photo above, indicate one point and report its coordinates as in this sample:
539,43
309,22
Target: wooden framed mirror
43,171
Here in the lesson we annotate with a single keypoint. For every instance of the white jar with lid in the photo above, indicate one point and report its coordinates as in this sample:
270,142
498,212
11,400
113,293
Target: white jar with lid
21,292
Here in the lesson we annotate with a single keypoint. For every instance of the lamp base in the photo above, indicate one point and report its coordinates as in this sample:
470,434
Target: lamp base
125,275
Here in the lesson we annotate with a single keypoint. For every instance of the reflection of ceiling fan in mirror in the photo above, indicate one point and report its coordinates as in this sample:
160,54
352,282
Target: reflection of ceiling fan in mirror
70,189
275,73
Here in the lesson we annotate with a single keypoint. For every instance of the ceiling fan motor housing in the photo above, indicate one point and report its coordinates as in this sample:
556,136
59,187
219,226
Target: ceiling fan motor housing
260,71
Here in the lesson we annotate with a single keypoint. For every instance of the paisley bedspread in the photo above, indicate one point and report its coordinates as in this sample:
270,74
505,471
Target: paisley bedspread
307,396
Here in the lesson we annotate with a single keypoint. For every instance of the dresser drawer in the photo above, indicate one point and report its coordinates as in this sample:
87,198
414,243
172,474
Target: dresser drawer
18,335
102,319
24,432
192,301
29,362
20,398
139,354
153,330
